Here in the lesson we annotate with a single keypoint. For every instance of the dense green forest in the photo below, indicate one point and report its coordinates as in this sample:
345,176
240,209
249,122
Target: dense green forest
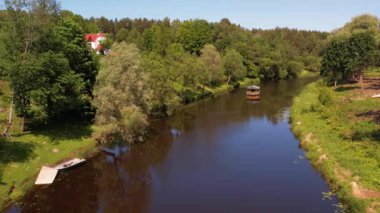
154,65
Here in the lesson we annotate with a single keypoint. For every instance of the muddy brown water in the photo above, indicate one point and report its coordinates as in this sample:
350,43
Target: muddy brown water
220,155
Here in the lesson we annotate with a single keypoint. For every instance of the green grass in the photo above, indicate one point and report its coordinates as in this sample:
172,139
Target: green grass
350,140
22,158
372,72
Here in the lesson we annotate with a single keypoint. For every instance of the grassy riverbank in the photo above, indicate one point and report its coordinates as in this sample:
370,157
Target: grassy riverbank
339,128
22,158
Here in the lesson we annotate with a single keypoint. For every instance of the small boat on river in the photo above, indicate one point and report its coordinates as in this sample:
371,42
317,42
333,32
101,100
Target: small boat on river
253,93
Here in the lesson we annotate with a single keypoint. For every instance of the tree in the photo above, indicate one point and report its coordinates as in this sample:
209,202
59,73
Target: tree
134,37
25,22
362,49
164,99
122,35
67,37
193,35
360,24
312,63
346,59
121,96
334,62
214,69
233,65
28,20
293,69
45,87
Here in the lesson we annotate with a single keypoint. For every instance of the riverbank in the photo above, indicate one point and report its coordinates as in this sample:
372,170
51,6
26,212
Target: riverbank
21,159
339,129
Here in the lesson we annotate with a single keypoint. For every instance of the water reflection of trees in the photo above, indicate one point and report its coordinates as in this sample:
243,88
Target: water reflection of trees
105,184
124,183
276,98
126,186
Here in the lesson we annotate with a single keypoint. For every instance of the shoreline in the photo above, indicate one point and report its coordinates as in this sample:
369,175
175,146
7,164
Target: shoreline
88,148
320,138
12,192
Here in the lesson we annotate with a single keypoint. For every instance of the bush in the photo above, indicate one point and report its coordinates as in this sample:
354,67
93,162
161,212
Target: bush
294,68
326,97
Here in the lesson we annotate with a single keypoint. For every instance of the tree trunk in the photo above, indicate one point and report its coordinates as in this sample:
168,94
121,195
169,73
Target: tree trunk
336,82
203,90
183,95
23,124
361,79
229,79
9,123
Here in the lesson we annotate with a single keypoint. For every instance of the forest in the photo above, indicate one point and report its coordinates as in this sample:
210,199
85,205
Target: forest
155,65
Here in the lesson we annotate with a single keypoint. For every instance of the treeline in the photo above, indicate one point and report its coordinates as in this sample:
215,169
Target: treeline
268,54
154,65
43,54
166,63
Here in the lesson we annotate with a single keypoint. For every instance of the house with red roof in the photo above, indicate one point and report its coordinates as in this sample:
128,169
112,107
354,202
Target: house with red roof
94,39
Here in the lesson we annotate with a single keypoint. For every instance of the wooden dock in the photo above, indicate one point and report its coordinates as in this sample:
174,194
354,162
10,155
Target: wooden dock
69,164
47,175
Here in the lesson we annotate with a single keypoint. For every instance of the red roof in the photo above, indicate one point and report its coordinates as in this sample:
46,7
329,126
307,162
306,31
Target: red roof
93,36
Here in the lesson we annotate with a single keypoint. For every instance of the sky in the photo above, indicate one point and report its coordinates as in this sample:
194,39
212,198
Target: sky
324,15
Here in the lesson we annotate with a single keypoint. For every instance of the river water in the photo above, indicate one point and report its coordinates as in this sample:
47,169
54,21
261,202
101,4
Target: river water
219,155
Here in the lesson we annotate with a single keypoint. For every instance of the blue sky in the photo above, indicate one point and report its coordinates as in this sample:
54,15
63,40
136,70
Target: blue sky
323,15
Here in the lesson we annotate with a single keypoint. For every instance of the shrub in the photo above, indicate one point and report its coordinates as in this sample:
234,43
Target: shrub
326,97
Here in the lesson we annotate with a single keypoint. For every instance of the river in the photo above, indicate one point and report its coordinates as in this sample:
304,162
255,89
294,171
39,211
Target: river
220,155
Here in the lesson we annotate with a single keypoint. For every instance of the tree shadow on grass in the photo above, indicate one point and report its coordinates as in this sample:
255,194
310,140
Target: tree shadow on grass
346,88
64,130
375,86
13,152
1,177
373,135
374,115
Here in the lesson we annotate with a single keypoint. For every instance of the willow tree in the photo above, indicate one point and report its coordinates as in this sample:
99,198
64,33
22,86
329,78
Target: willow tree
214,69
121,96
234,65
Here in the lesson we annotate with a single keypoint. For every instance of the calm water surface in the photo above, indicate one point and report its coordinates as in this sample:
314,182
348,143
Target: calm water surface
220,155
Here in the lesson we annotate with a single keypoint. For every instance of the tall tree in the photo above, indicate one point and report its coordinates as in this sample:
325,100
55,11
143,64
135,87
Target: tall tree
45,86
346,59
164,99
122,35
27,20
233,65
121,96
362,49
214,65
193,35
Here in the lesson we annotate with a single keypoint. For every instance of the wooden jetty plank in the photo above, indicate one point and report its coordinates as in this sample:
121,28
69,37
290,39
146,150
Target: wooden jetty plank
46,176
69,164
